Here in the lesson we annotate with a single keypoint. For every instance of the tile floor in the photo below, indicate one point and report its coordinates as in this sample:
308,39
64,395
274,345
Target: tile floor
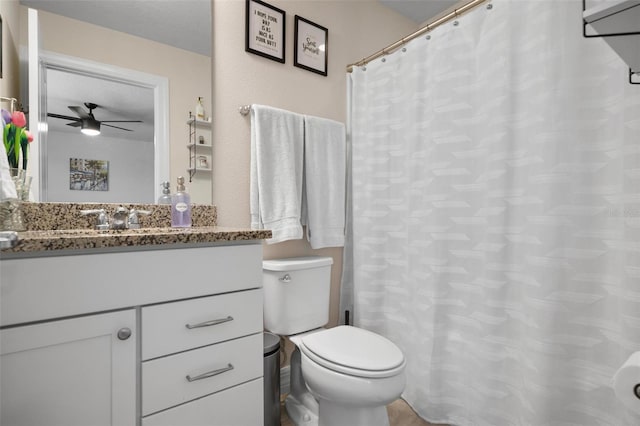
400,414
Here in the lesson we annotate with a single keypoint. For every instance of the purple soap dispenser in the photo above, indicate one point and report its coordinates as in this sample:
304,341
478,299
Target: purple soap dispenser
180,206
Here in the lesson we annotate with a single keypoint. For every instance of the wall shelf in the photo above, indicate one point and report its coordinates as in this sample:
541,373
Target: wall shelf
613,18
618,23
199,145
199,153
199,123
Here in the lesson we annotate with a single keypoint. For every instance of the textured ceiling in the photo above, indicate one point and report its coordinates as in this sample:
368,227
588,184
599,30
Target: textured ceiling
185,24
116,101
419,10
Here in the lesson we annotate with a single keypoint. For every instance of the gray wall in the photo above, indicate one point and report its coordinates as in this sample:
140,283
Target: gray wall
130,168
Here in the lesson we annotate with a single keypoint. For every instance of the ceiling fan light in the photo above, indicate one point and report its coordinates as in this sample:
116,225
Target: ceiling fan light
90,132
90,127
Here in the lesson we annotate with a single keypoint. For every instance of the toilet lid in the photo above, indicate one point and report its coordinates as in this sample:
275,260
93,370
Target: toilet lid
354,351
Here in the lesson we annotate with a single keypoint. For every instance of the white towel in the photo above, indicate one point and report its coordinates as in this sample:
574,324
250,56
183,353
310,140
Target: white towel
325,174
7,186
276,172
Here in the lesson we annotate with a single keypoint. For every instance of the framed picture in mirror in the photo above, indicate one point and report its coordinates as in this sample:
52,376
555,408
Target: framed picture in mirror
88,175
265,30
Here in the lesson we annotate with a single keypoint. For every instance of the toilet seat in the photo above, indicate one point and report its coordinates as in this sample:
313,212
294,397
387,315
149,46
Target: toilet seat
353,351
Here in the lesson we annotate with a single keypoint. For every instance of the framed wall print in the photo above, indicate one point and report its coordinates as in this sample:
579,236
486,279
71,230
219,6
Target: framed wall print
311,48
265,30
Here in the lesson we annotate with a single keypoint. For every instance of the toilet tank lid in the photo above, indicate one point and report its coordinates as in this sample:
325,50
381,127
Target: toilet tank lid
296,263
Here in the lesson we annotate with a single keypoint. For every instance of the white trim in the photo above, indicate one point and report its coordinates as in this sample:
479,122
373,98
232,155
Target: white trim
159,85
33,73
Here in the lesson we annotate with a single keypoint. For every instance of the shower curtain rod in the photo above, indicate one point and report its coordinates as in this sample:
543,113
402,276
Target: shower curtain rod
430,26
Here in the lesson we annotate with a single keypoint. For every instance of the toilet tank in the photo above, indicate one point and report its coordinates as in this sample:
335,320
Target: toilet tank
296,294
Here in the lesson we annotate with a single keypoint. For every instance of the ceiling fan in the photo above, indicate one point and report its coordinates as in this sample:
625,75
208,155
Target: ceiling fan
87,122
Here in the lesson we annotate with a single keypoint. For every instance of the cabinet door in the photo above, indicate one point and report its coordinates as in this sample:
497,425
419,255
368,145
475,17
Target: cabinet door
69,372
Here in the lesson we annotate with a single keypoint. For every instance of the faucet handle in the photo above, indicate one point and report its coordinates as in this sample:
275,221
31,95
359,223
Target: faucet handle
102,221
134,221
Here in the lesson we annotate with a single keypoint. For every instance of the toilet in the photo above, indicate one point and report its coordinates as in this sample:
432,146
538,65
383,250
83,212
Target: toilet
339,376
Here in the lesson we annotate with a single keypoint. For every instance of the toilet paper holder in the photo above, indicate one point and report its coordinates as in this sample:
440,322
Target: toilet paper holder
626,383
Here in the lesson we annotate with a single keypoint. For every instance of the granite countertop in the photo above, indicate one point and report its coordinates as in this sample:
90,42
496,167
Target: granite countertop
77,239
59,226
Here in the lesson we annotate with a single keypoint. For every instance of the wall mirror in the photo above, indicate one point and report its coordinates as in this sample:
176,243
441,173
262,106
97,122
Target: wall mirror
131,107
128,110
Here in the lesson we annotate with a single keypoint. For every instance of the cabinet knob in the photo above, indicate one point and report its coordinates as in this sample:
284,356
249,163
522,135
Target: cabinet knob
124,333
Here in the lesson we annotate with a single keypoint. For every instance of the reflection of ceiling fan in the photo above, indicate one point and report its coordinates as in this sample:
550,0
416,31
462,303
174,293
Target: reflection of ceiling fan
87,122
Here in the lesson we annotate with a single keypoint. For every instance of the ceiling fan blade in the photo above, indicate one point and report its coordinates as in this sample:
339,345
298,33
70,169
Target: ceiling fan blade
121,121
75,124
81,113
64,117
116,127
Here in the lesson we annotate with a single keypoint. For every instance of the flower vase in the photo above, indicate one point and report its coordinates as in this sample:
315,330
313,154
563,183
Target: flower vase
11,216
22,183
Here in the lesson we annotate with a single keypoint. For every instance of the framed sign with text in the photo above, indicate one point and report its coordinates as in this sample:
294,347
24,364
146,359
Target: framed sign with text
311,48
265,30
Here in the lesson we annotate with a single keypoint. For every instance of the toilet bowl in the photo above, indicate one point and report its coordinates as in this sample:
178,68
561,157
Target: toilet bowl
354,374
339,376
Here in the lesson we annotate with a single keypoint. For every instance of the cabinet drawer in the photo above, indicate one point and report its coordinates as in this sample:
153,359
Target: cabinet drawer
239,406
236,267
173,327
165,383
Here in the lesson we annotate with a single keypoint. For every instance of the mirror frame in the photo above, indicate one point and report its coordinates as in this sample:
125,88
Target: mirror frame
159,85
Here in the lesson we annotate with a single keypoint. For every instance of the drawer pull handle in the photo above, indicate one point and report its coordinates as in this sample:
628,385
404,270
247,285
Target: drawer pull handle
212,373
209,323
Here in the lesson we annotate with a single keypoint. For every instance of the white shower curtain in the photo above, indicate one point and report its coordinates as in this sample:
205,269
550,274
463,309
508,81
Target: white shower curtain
495,230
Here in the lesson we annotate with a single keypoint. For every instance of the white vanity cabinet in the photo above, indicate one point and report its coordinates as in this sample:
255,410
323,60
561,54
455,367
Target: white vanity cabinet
170,336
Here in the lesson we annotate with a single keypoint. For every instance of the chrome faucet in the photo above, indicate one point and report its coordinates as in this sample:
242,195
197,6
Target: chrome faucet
122,218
